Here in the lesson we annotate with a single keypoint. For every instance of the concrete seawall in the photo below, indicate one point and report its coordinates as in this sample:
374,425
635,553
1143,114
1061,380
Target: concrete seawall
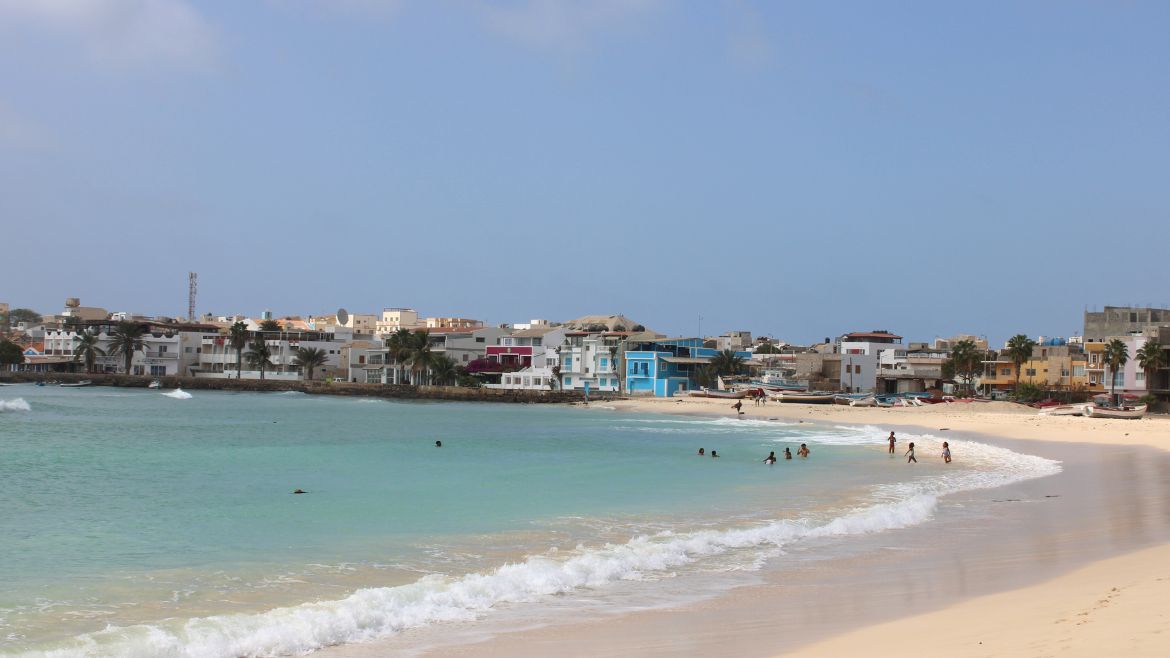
318,388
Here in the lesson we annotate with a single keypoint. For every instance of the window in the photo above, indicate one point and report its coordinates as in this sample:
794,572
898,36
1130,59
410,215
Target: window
536,342
604,363
162,349
1006,372
1078,371
1031,372
602,381
857,370
568,381
480,339
373,377
1141,377
568,362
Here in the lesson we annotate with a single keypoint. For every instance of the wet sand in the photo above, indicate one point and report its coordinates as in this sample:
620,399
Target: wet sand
996,566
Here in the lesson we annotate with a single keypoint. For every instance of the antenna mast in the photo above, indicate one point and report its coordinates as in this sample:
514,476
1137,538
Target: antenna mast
192,286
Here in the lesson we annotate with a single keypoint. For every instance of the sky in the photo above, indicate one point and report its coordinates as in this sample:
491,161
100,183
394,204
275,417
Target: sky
799,170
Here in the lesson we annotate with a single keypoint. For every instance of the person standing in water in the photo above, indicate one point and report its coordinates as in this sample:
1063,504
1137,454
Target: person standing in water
771,458
803,452
892,442
946,453
702,452
910,454
787,453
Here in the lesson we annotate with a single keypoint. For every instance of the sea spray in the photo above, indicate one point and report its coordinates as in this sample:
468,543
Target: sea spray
178,394
15,404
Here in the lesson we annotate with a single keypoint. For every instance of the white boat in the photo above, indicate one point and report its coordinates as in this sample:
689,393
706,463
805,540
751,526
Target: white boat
806,398
77,384
154,384
1064,410
869,401
1093,411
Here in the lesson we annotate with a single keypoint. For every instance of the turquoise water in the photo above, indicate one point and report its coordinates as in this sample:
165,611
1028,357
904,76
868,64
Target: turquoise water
130,515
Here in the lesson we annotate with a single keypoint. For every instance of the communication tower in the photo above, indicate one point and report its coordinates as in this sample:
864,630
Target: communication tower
192,286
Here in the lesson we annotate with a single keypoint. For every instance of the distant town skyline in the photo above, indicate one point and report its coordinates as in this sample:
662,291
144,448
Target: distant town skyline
798,170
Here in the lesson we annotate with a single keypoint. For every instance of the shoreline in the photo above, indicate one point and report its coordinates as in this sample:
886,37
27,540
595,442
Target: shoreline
1028,560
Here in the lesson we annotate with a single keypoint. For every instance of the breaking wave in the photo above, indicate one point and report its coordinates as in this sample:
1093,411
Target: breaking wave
178,394
15,404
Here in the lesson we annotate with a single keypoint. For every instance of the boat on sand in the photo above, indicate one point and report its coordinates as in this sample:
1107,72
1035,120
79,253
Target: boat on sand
1094,411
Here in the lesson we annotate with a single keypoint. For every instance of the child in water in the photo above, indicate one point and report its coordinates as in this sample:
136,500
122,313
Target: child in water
701,452
771,458
714,454
946,453
892,442
910,454
787,453
803,452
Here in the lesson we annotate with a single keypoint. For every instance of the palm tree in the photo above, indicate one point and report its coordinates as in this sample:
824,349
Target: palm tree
398,346
554,382
87,350
615,354
420,358
309,358
1116,355
270,325
1151,357
259,356
238,339
126,339
1019,349
965,360
727,362
443,370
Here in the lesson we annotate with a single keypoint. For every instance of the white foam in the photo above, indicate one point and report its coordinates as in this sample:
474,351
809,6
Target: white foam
178,394
15,404
379,612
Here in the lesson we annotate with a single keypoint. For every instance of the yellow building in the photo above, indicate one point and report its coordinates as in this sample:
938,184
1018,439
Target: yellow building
1051,367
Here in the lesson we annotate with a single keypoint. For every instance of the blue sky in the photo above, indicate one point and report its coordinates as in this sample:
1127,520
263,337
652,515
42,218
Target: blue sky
793,169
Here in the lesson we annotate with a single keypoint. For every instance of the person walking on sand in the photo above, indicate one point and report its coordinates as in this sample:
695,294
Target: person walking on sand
803,452
892,442
910,454
946,453
738,406
771,458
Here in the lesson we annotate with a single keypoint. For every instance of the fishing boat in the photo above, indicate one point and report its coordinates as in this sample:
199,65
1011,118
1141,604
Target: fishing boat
867,401
76,384
848,398
805,398
154,384
1064,410
1094,411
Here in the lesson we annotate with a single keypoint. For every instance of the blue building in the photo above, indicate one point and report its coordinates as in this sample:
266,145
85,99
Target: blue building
663,367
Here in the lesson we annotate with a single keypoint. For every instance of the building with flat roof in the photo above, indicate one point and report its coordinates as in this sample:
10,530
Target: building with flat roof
1116,321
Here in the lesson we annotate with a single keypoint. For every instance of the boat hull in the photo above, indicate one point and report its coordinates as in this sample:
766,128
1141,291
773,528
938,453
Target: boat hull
1131,413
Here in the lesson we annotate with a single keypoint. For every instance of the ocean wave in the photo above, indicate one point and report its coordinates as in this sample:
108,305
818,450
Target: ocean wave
15,404
178,394
383,611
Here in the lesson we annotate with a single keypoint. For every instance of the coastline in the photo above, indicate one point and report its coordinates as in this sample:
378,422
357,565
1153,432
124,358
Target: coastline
1081,581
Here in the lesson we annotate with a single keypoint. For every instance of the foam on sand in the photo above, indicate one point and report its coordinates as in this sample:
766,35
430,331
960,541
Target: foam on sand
15,404
178,394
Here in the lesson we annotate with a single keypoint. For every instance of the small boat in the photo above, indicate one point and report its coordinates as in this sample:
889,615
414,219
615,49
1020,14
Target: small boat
76,384
868,401
805,398
727,395
6,384
1064,410
154,384
848,398
1093,411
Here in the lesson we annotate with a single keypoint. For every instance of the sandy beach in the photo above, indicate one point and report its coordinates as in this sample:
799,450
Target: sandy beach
1078,564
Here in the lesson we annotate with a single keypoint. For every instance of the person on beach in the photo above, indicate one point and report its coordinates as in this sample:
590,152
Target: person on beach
738,406
714,454
803,452
946,453
787,454
910,454
701,452
771,458
892,442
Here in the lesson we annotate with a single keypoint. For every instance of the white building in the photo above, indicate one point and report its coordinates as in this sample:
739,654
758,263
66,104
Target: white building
217,359
586,361
533,352
394,319
167,350
860,352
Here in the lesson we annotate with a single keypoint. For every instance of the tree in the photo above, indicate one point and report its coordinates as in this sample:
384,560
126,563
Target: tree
399,345
619,327
706,376
443,370
638,327
420,358
965,362
18,315
309,358
727,362
1151,357
259,356
238,339
270,325
10,353
1019,350
767,348
1116,355
87,350
615,356
125,340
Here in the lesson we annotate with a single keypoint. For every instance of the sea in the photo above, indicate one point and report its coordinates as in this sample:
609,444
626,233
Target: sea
139,522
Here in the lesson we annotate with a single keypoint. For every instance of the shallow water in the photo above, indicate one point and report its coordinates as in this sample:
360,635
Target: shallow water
139,523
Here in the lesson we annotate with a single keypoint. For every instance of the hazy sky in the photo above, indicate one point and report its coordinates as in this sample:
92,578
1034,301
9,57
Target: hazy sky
793,169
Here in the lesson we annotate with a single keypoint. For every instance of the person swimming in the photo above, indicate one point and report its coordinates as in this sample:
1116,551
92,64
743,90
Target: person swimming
438,444
298,491
714,454
787,453
701,452
803,452
771,458
946,453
